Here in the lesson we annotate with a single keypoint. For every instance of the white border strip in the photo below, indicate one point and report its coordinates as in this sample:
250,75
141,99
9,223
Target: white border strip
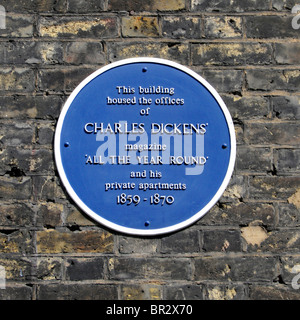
109,224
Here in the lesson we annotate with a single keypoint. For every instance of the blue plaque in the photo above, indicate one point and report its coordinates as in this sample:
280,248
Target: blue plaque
145,146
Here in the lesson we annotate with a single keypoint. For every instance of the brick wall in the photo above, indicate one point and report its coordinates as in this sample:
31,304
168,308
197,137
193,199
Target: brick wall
246,246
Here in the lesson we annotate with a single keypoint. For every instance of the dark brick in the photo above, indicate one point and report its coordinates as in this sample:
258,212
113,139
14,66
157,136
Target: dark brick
16,292
247,107
185,241
226,81
43,188
12,188
268,26
26,161
268,80
84,269
50,215
80,291
254,159
83,6
221,241
286,107
287,160
18,214
20,107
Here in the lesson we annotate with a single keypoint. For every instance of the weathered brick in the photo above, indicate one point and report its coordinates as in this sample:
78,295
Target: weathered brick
78,27
30,52
16,241
49,269
139,26
224,80
278,241
225,292
141,292
259,292
82,6
273,188
37,5
16,292
290,268
229,5
137,245
185,292
288,215
21,107
18,25
173,51
17,80
20,161
17,133
91,241
287,160
50,214
84,269
287,107
268,26
80,291
223,27
210,54
268,80
244,268
147,5
254,159
57,80
43,188
287,53
181,27
274,133
247,107
45,134
17,269
17,214
77,53
150,268
12,188
240,213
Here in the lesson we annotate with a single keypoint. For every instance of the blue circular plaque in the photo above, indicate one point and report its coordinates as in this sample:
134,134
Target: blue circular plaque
145,146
